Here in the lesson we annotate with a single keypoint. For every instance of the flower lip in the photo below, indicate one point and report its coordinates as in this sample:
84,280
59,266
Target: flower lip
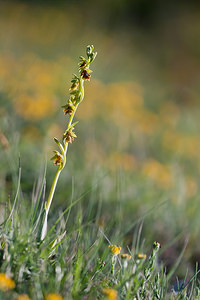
85,75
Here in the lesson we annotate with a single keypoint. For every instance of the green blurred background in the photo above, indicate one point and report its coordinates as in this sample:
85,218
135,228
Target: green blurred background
138,134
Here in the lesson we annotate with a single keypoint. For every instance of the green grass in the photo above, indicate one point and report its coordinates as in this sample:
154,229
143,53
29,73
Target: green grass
75,260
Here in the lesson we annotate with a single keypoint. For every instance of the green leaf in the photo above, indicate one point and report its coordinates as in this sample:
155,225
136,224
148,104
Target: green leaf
60,146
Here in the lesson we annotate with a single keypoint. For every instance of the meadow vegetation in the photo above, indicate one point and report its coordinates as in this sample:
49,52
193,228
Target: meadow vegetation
131,181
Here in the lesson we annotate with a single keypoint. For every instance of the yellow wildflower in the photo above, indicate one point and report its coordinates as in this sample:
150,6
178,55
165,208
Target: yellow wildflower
111,294
23,297
53,296
115,249
36,106
141,256
125,256
6,283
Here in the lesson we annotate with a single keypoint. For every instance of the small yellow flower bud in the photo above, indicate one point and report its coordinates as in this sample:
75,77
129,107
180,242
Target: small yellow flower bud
115,249
111,294
156,245
53,296
141,256
23,297
6,283
126,256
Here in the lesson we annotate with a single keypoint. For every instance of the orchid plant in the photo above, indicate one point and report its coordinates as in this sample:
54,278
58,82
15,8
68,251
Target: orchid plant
76,97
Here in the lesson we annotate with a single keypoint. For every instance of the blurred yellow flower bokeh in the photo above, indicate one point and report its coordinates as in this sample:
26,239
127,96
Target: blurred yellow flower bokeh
6,283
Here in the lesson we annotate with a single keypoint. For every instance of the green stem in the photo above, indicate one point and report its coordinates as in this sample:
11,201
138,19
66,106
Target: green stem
53,187
114,260
48,204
